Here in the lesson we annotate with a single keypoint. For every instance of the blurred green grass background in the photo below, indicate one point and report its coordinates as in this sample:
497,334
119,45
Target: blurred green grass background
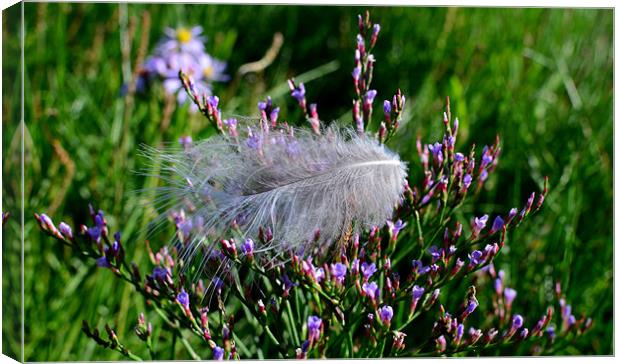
540,78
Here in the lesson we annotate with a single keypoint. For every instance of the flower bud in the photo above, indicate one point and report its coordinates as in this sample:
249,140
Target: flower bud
440,344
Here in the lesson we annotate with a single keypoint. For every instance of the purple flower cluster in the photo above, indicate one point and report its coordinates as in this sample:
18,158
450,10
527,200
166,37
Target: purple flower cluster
182,49
364,63
298,92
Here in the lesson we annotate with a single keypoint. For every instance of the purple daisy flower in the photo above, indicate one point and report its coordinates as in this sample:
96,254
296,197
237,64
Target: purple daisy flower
182,39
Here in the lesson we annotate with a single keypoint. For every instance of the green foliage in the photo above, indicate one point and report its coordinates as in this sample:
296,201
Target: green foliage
540,78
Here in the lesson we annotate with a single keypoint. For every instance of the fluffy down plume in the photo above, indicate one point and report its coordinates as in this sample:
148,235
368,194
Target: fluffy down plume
307,189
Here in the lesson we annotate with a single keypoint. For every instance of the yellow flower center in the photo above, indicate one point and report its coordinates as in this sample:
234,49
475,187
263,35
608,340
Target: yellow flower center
208,71
184,35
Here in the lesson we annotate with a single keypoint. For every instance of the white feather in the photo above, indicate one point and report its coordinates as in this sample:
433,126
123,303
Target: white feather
295,185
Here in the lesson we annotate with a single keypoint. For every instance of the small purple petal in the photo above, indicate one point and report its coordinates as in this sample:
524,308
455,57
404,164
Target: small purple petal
387,108
183,299
498,224
417,292
509,295
368,269
65,230
385,314
517,322
218,353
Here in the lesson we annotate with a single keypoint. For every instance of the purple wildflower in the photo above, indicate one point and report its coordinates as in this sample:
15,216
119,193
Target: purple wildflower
355,266
501,274
566,310
509,295
418,268
523,334
368,270
450,140
183,299
155,65
370,97
299,92
360,43
182,40
416,295
498,224
467,181
247,247
314,328
498,285
273,115
475,258
479,224
212,69
356,73
517,322
185,227
160,273
395,227
490,250
305,346
385,314
339,272
375,33
486,159
471,307
288,284
460,329
571,320
484,175
99,220
115,248
436,149
103,262
319,274
417,292
264,106
254,142
173,85
218,353
232,126
371,290
474,334
387,108
213,101
65,230
435,252
94,233
511,214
